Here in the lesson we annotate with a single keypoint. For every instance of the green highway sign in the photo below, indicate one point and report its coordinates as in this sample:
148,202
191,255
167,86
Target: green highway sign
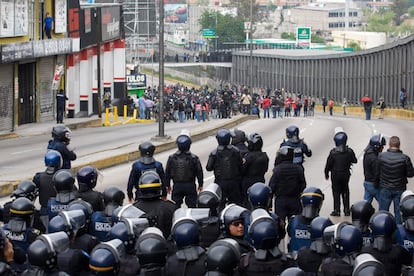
209,33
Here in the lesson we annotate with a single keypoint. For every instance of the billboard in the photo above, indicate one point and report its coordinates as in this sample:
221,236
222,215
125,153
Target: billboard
175,13
303,37
13,18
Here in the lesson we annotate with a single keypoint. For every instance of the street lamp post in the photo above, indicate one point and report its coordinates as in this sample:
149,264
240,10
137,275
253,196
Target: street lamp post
251,49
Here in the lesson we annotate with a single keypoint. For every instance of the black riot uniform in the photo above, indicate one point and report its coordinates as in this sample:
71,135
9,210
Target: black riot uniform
210,198
184,167
145,163
287,183
87,178
310,258
226,163
158,211
268,259
300,147
128,230
347,241
338,163
61,138
43,252
255,165
43,180
189,259
239,139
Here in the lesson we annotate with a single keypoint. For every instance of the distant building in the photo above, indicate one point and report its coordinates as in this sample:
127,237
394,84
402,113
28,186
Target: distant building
366,40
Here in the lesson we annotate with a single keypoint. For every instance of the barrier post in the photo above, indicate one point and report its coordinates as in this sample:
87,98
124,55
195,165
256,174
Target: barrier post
115,114
125,111
107,116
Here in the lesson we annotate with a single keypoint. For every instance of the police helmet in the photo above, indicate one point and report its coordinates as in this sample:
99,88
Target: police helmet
183,142
61,133
63,181
149,185
293,271
210,197
84,206
223,137
263,230
152,247
223,256
260,195
340,139
185,231
106,257
366,264
146,149
127,230
254,142
230,213
237,136
27,189
285,153
407,210
311,200
44,250
349,240
53,160
87,176
113,195
22,208
361,213
377,142
317,227
127,211
292,131
383,225
69,222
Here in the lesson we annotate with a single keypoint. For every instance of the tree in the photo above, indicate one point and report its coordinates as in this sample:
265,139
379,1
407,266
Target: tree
381,21
228,28
399,7
243,9
354,45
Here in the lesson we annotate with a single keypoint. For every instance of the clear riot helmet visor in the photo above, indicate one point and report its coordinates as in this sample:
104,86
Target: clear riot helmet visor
76,219
200,215
332,233
128,211
136,225
115,246
55,242
366,264
310,211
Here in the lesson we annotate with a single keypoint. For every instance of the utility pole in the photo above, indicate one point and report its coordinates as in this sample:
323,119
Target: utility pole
251,49
161,133
98,61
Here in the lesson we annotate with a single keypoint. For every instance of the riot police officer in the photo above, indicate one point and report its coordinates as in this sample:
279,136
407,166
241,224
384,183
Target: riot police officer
152,251
223,258
404,235
239,139
366,264
255,165
87,178
234,221
159,212
7,265
361,213
338,163
19,230
226,163
287,183
298,227
310,259
210,198
61,136
101,221
300,147
64,183
184,167
73,261
346,240
43,252
146,163
29,190
393,256
128,230
106,258
267,259
371,181
190,257
53,161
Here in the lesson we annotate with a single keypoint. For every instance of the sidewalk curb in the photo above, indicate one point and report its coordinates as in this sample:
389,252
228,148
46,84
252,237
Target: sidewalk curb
7,188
